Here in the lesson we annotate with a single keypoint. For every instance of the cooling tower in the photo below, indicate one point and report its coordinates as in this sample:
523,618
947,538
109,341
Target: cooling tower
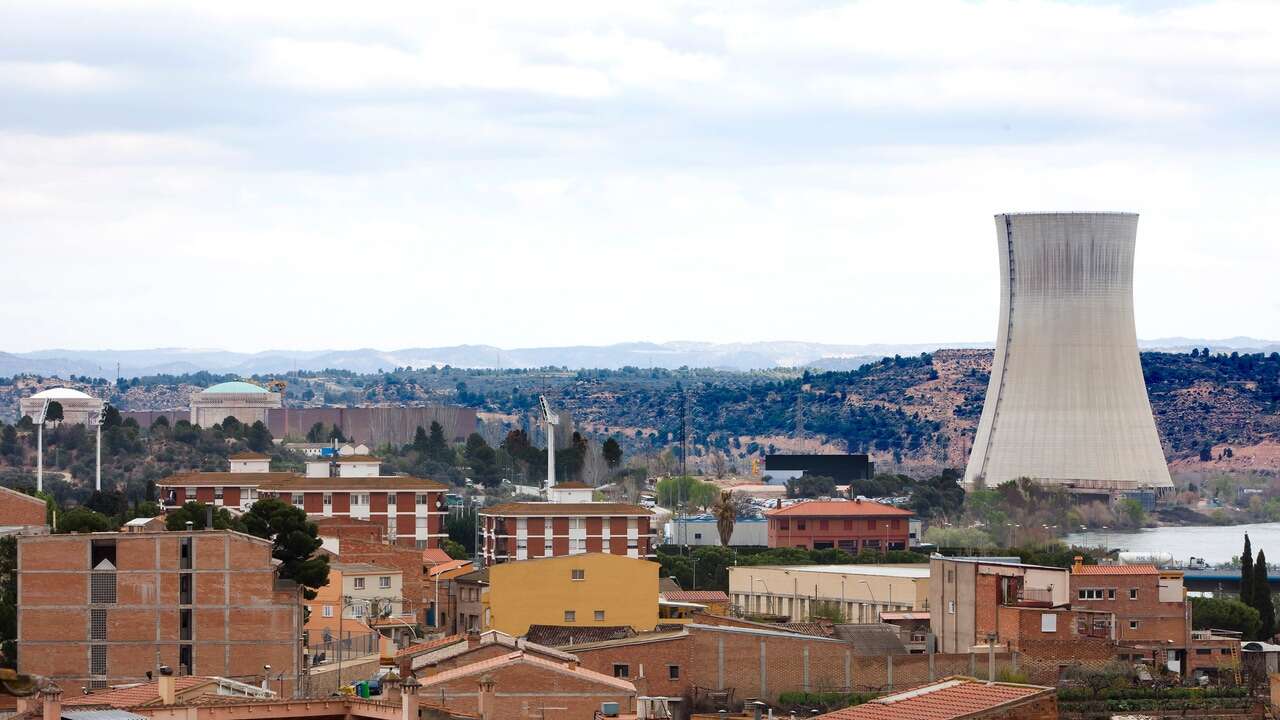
1066,402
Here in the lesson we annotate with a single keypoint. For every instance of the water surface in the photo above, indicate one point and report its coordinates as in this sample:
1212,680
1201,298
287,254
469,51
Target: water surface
1216,544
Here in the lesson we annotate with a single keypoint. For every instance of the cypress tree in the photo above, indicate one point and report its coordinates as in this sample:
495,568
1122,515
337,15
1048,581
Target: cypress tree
1262,598
1246,573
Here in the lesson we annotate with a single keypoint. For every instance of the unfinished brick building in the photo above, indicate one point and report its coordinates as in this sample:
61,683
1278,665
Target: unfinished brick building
105,608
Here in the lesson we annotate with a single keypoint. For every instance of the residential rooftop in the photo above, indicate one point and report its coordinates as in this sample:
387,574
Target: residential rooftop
949,699
839,508
920,571
548,509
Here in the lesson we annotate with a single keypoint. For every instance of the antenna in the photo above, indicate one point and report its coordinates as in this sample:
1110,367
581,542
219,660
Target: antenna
96,418
38,419
552,421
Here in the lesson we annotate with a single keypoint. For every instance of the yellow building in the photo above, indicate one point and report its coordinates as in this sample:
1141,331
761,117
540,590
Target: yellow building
589,590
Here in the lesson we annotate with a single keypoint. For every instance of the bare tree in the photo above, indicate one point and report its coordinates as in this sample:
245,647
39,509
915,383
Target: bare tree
718,463
594,467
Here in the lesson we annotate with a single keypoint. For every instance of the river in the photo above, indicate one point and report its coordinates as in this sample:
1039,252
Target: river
1216,544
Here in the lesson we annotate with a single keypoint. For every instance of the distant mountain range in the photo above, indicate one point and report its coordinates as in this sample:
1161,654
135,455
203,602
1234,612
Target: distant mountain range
729,356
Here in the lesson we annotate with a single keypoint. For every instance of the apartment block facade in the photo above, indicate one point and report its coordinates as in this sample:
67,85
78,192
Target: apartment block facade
103,609
523,531
848,525
410,510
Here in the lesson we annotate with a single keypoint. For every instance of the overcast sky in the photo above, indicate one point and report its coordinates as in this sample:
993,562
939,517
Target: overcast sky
262,175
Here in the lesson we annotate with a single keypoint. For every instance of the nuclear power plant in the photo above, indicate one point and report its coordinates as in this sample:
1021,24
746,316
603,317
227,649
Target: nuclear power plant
1066,403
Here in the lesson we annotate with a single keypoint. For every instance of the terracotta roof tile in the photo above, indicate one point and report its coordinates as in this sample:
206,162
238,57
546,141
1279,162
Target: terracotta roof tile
696,596
572,486
429,645
447,566
521,658
839,508
1115,570
147,693
547,509
560,635
948,699
435,555
249,456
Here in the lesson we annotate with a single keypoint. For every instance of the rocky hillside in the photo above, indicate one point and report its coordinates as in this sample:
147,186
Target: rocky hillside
918,413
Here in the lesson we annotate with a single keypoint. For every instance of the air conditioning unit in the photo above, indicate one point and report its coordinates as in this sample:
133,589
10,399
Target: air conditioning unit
609,709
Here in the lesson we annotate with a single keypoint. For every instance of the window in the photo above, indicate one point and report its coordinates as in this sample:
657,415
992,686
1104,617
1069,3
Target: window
184,624
800,525
1133,593
570,616
97,659
697,536
1090,594
217,492
328,611
577,574
871,524
184,589
673,672
102,587
297,499
783,525
359,499
420,499
599,616
621,670
822,524
384,581
1111,593
391,499
357,583
184,553
1133,624
1048,623
357,610
97,624
1204,651
328,499
951,607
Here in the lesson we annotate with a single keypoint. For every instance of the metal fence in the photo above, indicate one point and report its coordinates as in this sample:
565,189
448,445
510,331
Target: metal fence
327,650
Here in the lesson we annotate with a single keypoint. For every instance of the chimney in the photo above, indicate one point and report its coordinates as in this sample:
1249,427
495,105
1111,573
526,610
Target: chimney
409,698
51,696
473,638
572,664
778,503
391,688
167,686
488,699
1079,563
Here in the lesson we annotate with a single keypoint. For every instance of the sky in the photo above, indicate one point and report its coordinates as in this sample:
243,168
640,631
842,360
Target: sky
289,175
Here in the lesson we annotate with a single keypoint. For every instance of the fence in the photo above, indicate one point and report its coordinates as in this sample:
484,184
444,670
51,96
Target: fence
331,650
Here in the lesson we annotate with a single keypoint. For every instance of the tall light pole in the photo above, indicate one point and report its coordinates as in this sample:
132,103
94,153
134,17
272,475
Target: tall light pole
552,421
96,419
38,419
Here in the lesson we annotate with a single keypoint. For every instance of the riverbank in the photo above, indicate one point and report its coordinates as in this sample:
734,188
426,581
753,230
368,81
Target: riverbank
1213,543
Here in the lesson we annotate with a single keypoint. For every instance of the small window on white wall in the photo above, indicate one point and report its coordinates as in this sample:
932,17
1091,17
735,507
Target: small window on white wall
1049,623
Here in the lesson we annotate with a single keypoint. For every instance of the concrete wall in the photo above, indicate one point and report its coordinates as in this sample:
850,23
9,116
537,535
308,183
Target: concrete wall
1066,401
794,591
539,592
375,425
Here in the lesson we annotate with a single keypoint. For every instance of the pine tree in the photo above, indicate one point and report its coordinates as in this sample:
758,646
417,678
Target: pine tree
1246,573
1262,598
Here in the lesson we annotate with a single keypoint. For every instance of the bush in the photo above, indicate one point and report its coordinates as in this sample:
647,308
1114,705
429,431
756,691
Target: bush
824,700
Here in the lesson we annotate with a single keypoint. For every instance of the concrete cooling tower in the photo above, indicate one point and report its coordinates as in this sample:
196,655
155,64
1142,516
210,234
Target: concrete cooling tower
1066,403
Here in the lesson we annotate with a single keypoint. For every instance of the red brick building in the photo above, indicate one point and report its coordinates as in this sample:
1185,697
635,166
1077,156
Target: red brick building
19,509
522,531
523,685
410,510
106,608
849,525
1150,605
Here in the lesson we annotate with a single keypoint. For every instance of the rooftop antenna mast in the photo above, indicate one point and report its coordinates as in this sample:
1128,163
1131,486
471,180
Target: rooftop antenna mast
552,421
38,419
96,418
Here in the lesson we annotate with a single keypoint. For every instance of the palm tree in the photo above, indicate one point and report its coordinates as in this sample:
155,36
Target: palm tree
725,510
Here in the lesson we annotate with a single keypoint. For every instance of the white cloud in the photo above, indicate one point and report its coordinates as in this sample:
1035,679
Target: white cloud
421,174
60,77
